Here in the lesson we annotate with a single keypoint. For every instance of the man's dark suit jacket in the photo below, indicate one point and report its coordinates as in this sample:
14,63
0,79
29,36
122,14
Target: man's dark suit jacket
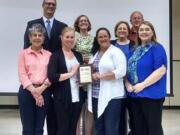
52,44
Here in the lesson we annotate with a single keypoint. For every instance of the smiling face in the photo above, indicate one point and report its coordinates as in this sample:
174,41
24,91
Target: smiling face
49,7
37,39
136,19
68,39
103,39
83,23
145,33
122,31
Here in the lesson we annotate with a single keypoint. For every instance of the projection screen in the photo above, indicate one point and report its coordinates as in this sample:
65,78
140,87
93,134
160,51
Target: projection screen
14,15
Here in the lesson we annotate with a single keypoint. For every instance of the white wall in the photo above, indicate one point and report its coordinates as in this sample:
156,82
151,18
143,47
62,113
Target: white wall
16,13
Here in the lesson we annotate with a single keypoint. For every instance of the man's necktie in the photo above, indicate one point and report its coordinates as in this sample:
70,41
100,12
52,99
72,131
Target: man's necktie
48,28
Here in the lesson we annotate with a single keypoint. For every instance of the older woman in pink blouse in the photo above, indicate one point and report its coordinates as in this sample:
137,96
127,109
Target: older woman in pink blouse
33,93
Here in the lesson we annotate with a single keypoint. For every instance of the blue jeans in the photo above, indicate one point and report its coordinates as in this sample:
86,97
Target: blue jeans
108,122
32,116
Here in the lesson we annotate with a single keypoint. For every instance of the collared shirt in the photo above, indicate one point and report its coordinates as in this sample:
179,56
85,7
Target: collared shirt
32,67
45,21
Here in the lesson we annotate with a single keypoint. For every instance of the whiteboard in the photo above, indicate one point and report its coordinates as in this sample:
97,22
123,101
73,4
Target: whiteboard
14,15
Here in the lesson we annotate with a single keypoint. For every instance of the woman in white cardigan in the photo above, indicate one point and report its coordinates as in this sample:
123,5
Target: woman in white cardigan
106,93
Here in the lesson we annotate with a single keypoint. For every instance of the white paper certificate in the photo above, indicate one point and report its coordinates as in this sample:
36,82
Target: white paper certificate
85,74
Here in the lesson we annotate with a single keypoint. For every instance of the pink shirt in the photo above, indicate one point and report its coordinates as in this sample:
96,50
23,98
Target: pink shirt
32,67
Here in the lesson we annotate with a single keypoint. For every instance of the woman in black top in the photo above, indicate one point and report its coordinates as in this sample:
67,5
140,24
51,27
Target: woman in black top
62,72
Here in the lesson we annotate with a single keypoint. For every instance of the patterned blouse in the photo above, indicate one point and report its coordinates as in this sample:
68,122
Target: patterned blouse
96,84
84,44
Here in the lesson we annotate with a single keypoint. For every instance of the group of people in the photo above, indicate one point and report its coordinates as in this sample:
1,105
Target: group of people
128,75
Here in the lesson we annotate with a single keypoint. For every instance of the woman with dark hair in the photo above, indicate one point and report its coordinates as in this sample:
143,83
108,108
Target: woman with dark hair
146,82
33,93
121,31
84,42
107,89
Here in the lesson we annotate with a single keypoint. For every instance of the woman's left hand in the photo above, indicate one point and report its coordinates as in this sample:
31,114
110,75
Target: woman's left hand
138,87
40,101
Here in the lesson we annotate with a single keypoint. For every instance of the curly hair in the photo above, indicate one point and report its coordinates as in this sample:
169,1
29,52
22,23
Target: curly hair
76,23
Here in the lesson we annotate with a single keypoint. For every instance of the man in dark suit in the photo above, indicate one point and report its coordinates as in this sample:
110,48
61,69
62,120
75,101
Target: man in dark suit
52,43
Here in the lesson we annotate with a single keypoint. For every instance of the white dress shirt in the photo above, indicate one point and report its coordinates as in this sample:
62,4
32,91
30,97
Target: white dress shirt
50,19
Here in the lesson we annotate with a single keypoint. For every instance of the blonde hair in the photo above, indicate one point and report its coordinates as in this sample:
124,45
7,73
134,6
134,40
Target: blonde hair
67,29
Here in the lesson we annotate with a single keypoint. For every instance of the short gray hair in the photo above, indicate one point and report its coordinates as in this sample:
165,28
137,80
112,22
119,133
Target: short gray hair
36,28
136,12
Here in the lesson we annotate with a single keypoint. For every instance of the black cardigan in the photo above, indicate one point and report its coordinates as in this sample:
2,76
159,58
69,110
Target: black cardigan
57,66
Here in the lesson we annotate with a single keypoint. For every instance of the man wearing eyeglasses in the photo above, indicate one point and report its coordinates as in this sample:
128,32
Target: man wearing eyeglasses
52,43
136,19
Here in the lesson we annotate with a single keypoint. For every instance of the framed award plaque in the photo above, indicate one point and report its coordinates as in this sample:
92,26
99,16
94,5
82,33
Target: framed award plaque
85,74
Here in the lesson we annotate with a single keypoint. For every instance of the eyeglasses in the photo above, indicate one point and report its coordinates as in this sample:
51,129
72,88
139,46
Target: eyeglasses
83,20
49,4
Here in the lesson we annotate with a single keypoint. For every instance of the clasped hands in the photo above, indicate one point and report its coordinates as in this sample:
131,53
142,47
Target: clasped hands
135,88
37,95
97,76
